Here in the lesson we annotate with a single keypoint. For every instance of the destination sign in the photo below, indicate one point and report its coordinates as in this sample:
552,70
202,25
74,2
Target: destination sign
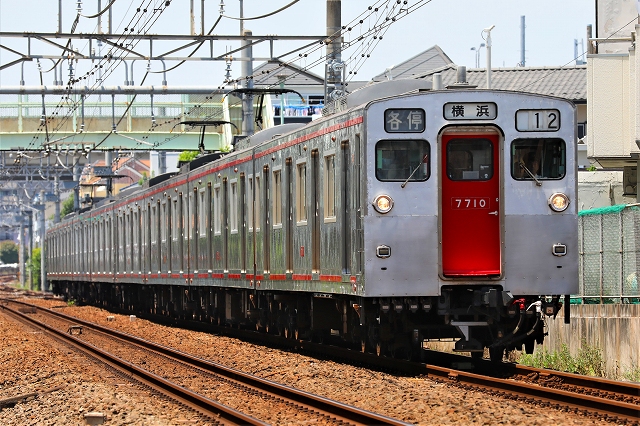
470,111
538,120
404,120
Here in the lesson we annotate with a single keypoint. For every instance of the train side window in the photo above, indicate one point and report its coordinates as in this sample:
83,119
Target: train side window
233,207
202,216
217,221
401,160
301,194
277,198
257,203
469,159
329,193
543,158
250,203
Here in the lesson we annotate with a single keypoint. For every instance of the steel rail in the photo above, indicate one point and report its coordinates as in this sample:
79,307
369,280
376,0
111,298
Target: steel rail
308,400
206,406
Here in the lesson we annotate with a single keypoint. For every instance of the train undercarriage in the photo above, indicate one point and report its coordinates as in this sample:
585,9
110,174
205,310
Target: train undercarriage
475,317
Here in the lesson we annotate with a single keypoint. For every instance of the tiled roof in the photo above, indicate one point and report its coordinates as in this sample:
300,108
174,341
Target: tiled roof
565,82
267,75
423,62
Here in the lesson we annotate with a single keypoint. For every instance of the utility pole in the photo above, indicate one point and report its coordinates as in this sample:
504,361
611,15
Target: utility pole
43,272
488,31
522,60
334,82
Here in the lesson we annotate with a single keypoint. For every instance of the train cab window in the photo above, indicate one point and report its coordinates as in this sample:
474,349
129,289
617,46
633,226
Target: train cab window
401,160
541,158
469,159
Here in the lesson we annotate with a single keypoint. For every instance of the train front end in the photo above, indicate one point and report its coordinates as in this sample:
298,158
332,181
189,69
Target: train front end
470,225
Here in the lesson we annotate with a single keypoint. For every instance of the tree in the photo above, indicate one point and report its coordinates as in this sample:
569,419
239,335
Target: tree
8,252
67,206
34,266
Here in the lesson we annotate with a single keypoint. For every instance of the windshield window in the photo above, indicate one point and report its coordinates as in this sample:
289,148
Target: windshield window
397,159
544,158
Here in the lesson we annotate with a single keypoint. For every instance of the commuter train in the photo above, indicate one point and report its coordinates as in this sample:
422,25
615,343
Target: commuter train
400,216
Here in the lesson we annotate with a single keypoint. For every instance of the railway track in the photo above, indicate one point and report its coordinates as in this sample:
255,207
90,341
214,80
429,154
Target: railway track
594,397
128,354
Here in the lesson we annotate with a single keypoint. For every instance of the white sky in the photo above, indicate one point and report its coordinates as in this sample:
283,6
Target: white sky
454,25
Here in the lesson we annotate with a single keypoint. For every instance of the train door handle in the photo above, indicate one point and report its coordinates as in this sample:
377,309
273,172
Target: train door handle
494,213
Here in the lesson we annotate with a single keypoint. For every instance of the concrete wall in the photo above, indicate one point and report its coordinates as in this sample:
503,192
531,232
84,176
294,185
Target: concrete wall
614,329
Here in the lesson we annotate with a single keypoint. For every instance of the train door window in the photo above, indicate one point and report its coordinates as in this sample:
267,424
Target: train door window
202,217
250,203
277,198
163,219
402,160
174,220
329,185
257,204
154,218
233,208
469,159
540,158
217,230
301,194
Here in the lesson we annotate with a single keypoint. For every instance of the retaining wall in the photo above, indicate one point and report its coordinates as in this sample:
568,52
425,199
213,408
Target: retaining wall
614,329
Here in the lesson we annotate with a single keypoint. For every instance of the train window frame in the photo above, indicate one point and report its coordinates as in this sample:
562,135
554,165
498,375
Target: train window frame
250,202
542,154
301,193
175,227
329,187
276,198
465,173
258,195
233,206
217,222
410,163
200,210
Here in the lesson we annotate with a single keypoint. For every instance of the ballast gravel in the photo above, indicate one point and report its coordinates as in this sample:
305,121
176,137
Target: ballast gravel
68,386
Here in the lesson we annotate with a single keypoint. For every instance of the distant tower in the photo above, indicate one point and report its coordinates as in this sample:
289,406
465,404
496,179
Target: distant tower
522,61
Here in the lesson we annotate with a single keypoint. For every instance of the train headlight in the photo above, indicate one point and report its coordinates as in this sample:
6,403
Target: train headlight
558,202
383,204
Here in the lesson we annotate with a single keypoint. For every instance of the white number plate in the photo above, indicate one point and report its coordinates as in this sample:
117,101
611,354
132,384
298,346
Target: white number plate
538,120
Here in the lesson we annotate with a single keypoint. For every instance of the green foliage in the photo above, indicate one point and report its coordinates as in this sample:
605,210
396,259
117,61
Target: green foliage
186,156
591,168
226,148
34,266
67,206
71,302
143,179
8,252
587,362
633,375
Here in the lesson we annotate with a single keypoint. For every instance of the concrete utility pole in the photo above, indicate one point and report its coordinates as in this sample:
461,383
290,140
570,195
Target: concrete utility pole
334,84
43,272
247,99
488,31
522,27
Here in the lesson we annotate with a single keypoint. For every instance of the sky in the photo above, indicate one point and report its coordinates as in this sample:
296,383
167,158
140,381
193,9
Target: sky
455,25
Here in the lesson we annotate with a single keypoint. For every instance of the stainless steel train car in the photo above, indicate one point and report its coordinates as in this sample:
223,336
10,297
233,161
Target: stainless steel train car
400,216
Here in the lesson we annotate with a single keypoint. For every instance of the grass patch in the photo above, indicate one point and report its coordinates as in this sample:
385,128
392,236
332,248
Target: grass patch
587,362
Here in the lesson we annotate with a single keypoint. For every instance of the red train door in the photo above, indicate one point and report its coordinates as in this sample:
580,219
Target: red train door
470,215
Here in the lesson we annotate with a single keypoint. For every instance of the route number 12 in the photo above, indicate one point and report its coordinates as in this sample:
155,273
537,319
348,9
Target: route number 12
538,120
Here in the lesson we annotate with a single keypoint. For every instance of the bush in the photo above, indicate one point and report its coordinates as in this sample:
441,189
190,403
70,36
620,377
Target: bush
8,252
34,266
